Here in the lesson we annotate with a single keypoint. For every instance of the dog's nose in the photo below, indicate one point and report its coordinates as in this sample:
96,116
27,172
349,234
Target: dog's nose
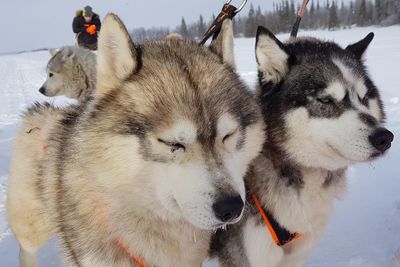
42,90
228,208
381,139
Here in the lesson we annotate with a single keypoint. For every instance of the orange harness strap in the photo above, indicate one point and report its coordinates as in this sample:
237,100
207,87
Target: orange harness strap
120,242
280,235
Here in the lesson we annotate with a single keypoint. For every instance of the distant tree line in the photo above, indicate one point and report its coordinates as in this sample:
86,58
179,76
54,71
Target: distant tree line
320,14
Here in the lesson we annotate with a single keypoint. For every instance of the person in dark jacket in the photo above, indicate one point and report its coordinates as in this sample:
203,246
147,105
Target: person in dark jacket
86,25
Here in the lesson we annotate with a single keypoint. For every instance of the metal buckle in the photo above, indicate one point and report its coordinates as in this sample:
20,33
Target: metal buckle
240,7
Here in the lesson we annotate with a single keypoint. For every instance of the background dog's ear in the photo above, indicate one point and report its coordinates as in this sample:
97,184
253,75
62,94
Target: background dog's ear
223,44
117,58
360,47
52,51
271,56
67,55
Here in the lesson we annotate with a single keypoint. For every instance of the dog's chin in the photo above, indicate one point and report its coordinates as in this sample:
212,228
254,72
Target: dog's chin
206,222
341,158
366,156
223,225
49,94
331,162
376,155
347,161
200,218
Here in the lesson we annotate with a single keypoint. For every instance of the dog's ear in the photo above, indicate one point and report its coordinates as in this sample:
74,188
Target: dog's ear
271,56
52,51
66,55
117,58
222,45
361,46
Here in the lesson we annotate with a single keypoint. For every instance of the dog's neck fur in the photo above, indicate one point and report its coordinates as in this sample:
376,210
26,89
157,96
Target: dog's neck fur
294,194
84,75
153,234
148,234
177,236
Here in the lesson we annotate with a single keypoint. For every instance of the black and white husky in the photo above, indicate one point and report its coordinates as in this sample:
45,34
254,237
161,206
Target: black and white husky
323,113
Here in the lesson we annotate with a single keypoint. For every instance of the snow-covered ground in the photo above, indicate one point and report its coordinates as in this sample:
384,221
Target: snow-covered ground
364,231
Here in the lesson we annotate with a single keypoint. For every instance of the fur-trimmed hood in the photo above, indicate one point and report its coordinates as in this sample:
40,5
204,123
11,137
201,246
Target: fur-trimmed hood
79,12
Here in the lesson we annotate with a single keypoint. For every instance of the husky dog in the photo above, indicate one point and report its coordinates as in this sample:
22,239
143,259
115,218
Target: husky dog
144,172
174,37
71,71
323,113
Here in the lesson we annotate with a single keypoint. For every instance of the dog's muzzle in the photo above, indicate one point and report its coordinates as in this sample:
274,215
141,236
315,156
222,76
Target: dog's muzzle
381,139
229,208
42,90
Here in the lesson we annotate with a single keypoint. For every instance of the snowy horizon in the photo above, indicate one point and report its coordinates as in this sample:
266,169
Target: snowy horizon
48,23
29,25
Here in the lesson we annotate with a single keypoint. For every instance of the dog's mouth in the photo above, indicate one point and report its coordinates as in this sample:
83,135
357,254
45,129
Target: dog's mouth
376,155
373,156
223,225
337,152
219,226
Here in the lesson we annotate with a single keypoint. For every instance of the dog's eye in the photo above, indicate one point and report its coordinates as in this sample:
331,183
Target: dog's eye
229,135
173,146
226,137
325,100
51,74
177,146
364,100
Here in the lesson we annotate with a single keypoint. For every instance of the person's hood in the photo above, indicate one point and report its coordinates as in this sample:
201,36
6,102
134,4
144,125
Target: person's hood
79,13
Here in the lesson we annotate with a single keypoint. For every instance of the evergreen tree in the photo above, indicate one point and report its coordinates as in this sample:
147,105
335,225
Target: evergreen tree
378,10
284,17
312,9
251,23
201,27
260,20
333,21
183,29
370,12
362,14
292,14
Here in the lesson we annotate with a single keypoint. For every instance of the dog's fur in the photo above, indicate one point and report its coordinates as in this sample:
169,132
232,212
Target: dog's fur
167,138
322,113
71,72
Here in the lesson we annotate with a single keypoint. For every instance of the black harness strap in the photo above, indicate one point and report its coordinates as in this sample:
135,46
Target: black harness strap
279,234
284,236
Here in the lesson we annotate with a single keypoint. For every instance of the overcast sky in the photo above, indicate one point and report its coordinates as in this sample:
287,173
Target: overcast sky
31,24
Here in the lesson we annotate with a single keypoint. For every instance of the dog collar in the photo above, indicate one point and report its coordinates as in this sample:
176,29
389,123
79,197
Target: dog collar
279,234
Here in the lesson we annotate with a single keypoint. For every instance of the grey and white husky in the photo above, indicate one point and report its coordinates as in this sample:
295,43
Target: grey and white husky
143,173
323,113
71,72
